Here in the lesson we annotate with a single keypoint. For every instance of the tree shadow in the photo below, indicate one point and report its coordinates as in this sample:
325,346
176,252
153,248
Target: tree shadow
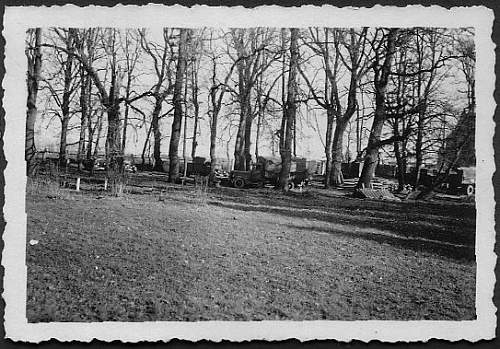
330,198
444,249
438,234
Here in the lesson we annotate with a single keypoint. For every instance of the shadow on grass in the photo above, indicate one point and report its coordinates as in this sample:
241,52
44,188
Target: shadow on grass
329,198
445,249
452,238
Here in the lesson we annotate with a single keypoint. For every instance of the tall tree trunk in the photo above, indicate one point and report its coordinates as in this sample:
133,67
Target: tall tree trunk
173,174
240,160
290,111
239,147
358,132
330,119
125,118
337,155
248,142
213,141
421,113
294,138
283,91
64,122
196,106
84,81
114,151
98,135
68,71
91,130
146,141
81,141
62,142
184,133
194,143
398,153
90,140
401,168
419,143
34,67
362,131
113,140
257,134
155,126
380,83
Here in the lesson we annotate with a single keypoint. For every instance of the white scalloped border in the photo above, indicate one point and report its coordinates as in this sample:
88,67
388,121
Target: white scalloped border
18,19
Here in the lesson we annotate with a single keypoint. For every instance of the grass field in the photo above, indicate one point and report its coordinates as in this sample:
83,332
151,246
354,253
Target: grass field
250,254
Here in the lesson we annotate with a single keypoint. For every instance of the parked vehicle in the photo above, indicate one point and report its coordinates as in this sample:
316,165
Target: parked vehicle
99,164
129,166
199,166
460,181
267,171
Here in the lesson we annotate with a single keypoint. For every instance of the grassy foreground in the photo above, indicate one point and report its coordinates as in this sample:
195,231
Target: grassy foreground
247,255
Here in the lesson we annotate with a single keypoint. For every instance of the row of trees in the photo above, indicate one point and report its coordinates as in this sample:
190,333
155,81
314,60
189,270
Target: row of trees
409,87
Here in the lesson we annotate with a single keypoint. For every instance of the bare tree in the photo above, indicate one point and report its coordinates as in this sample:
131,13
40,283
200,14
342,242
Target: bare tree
34,55
132,52
425,39
178,102
327,44
109,95
400,119
63,85
250,44
195,55
163,59
265,103
414,99
196,106
87,129
290,112
110,99
458,148
216,95
384,51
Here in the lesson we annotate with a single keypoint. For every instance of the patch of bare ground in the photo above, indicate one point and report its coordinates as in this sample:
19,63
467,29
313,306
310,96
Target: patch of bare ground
247,255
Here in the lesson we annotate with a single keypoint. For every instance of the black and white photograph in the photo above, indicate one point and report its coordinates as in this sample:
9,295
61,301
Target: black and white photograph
265,170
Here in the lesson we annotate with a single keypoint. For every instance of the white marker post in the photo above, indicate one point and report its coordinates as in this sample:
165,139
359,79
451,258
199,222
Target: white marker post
78,184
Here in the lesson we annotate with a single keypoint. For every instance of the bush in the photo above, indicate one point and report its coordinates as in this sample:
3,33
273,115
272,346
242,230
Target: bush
200,189
118,181
46,185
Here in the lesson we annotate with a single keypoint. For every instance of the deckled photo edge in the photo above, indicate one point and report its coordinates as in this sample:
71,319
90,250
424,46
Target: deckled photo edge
17,20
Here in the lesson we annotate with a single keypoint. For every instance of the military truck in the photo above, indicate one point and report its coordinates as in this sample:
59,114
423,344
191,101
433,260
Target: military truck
266,171
460,181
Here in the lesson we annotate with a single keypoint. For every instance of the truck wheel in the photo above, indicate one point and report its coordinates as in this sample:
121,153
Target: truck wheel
291,185
470,190
239,183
